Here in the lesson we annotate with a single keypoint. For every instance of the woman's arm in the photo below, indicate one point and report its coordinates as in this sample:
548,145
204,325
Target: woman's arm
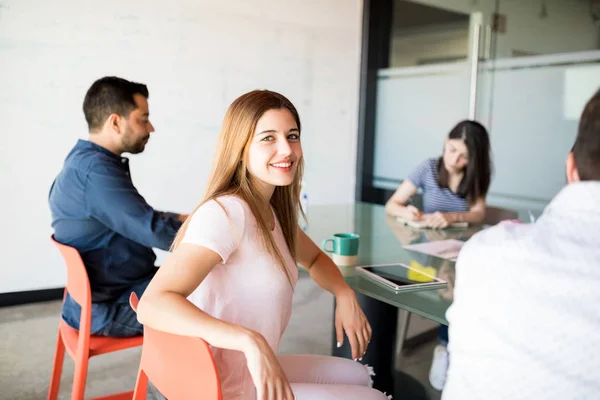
396,205
475,215
349,317
164,305
320,267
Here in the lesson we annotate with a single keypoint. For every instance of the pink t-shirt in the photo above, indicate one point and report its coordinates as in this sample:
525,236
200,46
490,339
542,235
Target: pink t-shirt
248,288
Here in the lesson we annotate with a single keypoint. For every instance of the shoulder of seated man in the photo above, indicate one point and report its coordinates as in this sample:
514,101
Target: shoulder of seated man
103,165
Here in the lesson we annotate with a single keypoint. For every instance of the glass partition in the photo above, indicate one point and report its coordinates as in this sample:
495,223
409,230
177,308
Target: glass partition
530,68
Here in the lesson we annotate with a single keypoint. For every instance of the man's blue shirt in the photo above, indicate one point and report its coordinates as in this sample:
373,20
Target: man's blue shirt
97,210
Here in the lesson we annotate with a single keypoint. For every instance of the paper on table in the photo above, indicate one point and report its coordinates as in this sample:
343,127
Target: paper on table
423,225
447,249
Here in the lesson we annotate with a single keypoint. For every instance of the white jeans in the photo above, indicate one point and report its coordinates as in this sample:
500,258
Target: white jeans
328,378
320,378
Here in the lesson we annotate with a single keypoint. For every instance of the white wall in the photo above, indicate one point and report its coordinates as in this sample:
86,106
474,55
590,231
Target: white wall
567,27
196,57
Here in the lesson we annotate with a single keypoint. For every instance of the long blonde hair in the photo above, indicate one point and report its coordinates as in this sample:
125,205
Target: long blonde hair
230,176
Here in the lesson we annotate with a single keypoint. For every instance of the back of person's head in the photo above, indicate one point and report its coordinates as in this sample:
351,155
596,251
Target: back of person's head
586,150
230,175
110,95
478,171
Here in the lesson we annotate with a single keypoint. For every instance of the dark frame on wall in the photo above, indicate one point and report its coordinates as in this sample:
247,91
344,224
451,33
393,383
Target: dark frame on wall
375,54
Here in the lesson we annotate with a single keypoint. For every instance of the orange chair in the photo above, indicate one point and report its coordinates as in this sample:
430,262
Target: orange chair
180,367
80,344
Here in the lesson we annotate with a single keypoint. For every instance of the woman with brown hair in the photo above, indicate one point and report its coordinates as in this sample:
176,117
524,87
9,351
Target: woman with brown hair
233,269
454,188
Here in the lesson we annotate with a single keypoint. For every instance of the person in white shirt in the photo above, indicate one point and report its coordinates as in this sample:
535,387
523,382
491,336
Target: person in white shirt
525,321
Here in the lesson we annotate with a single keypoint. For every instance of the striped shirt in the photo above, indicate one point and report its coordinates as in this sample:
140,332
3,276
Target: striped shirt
435,198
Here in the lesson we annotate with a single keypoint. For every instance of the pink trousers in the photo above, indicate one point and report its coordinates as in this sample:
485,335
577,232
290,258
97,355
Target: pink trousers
319,378
328,378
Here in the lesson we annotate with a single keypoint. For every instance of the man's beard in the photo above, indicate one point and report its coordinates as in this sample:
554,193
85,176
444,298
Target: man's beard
133,145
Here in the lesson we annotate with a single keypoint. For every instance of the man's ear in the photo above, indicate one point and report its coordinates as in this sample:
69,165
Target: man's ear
114,121
572,173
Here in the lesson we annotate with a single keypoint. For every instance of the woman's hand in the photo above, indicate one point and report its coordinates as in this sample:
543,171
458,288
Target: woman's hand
413,213
267,375
350,318
436,220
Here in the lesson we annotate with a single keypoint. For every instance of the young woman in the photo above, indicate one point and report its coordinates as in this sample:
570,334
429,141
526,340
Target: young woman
454,187
232,272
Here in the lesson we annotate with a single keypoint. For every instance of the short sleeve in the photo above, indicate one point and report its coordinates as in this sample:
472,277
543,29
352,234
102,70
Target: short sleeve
417,177
217,225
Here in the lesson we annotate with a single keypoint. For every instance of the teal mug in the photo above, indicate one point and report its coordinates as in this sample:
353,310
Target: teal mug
342,244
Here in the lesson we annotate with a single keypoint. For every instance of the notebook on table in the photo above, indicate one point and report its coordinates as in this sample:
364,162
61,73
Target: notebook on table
422,225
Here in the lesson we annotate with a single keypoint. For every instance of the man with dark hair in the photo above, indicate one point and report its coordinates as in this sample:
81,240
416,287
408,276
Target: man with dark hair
524,323
97,210
584,159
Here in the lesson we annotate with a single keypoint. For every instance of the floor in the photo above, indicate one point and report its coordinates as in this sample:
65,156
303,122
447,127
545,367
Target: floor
29,335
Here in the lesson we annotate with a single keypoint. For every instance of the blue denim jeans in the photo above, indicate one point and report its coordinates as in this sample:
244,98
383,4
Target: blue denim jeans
123,324
443,336
114,319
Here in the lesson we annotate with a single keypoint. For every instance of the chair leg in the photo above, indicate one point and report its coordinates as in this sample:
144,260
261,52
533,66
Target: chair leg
141,386
59,357
79,377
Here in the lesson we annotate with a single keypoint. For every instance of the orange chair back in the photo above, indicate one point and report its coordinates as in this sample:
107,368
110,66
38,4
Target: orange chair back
180,367
78,286
79,344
